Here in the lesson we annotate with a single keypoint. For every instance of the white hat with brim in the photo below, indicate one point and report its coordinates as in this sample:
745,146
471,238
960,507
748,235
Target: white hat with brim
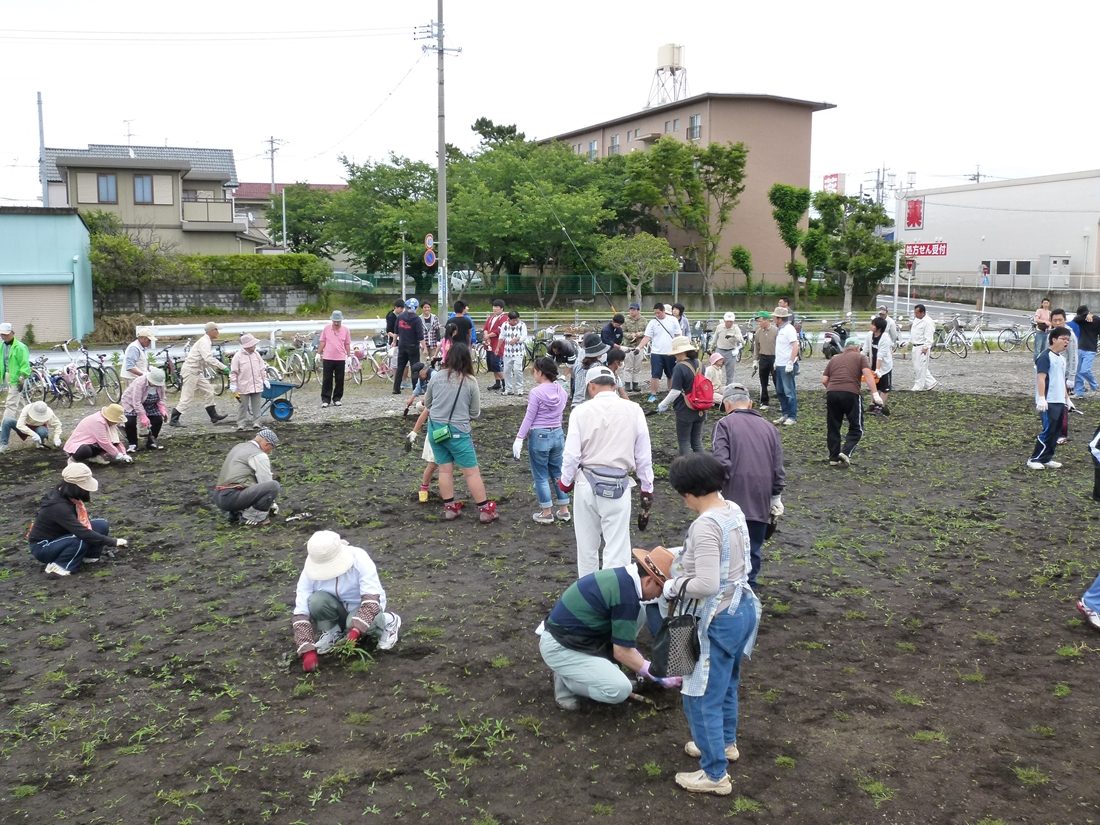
327,556
6,329
80,475
144,332
781,312
249,340
39,411
681,343
155,376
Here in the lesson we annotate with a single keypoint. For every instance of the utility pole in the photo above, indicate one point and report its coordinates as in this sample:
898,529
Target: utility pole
436,28
42,156
977,176
272,148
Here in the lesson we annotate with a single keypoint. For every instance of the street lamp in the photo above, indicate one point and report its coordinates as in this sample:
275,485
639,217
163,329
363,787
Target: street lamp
900,193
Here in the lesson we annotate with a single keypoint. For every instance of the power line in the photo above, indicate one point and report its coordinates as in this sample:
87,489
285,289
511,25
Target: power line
62,35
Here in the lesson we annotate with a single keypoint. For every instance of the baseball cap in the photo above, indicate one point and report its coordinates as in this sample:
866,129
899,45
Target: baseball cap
635,305
6,329
596,373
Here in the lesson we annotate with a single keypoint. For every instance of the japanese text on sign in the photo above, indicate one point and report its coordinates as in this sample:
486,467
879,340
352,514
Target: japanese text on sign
925,250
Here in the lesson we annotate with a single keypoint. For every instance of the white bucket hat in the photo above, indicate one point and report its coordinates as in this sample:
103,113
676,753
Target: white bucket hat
328,555
155,376
681,343
39,411
729,316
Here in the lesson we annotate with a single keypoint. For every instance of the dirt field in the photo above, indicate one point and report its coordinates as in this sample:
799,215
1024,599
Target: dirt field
919,660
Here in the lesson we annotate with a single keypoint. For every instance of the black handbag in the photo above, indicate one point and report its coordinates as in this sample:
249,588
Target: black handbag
676,647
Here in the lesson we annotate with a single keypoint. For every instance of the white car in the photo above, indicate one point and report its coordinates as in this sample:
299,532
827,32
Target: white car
466,279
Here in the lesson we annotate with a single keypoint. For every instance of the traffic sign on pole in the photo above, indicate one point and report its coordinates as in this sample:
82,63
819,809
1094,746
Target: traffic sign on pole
429,241
429,258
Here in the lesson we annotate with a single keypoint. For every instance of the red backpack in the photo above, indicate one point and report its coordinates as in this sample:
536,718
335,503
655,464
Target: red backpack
701,394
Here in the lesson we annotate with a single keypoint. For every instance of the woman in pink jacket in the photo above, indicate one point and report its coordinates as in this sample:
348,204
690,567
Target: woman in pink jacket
335,347
143,403
96,438
248,378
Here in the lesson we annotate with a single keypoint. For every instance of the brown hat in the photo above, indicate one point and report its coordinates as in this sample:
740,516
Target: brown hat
781,312
114,413
656,562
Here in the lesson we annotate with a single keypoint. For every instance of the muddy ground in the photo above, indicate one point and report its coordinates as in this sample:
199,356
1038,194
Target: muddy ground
919,660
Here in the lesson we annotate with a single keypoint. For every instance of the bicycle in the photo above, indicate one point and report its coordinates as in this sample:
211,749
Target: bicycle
477,355
950,337
805,345
54,386
218,378
103,376
173,381
291,366
379,360
977,339
1013,336
536,346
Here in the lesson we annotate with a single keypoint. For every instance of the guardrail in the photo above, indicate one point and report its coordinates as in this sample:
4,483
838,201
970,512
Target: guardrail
236,328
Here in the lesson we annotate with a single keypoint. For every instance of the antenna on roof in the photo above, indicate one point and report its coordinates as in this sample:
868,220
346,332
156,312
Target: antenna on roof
129,134
670,79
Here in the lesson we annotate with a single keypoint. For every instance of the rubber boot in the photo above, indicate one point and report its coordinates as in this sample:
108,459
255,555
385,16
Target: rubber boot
212,411
174,421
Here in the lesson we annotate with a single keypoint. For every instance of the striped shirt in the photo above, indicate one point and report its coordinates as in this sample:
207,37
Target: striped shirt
597,611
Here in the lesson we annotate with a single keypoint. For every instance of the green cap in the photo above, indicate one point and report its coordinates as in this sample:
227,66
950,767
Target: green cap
763,314
853,342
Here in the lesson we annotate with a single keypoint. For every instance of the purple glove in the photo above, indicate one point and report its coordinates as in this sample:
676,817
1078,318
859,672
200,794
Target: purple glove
666,682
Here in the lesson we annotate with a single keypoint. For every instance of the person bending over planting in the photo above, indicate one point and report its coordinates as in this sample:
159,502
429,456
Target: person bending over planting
339,597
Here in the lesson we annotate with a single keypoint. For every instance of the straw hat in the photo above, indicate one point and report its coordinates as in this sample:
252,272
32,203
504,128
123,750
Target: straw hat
781,312
327,556
681,343
80,475
114,413
656,562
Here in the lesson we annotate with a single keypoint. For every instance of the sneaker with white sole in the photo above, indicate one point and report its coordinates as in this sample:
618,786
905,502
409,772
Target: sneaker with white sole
732,754
1091,616
789,422
541,518
845,459
566,516
329,639
699,782
1036,465
780,420
56,570
1053,465
389,636
763,408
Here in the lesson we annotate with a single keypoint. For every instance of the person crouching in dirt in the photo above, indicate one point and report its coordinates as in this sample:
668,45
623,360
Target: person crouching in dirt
339,597
593,629
96,437
246,488
63,536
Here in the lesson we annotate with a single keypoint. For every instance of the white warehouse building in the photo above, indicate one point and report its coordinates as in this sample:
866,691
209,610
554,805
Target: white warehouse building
1029,238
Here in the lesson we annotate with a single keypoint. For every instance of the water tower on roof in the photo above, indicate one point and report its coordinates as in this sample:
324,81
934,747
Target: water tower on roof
670,79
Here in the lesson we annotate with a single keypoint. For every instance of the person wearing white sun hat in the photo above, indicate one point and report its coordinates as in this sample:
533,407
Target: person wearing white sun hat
340,597
37,422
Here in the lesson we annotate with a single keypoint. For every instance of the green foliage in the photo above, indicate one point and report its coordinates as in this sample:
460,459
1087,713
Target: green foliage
251,291
1030,776
789,207
28,335
307,219
101,222
637,259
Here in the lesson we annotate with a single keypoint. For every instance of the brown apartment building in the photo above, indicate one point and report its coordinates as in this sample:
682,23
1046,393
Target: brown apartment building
776,131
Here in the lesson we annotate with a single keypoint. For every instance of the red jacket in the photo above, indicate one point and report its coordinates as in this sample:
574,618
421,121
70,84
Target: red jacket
491,332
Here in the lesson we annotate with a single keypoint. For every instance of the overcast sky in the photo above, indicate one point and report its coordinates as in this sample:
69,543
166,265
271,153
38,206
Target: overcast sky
935,87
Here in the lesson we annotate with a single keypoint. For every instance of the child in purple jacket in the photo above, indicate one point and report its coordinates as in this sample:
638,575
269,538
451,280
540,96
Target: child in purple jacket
545,406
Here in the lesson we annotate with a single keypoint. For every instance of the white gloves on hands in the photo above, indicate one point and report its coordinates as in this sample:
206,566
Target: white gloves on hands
670,589
233,388
37,439
789,368
1041,405
777,506
121,543
412,437
57,441
124,458
517,448
274,509
662,407
876,398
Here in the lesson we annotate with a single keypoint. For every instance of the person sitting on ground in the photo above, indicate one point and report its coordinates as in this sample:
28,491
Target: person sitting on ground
339,596
421,374
246,487
593,629
37,422
63,536
248,379
96,437
716,373
143,403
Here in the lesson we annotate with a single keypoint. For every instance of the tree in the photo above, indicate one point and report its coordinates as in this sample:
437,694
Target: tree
493,135
741,259
308,214
638,259
845,241
698,188
789,206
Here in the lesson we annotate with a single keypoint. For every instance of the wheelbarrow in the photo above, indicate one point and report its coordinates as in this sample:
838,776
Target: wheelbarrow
281,408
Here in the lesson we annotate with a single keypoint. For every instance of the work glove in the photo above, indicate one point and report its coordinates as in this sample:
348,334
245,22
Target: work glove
309,661
121,543
274,509
665,682
36,439
267,384
144,421
877,398
517,448
777,506
353,636
565,488
662,407
789,368
57,441
670,590
124,458
410,440
233,388
1041,405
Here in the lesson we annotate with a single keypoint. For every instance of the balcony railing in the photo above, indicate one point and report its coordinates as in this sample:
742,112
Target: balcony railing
206,210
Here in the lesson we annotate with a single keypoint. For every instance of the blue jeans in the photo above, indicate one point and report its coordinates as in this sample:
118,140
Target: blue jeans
67,551
757,531
1092,596
1084,371
544,450
712,717
787,392
8,427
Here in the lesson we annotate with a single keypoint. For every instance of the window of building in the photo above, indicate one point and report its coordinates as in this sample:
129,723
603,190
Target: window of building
676,124
143,188
613,147
695,127
1004,267
1023,267
108,188
593,149
668,126
190,195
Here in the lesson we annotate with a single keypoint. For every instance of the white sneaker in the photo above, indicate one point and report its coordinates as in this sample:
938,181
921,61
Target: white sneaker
389,636
56,570
3,448
781,419
699,782
132,448
845,459
324,404
1035,465
732,754
1053,465
329,639
789,422
763,408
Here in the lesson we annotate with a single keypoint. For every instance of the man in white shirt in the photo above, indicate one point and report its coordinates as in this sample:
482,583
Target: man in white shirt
608,438
786,366
195,382
1050,399
135,361
921,335
891,325
659,333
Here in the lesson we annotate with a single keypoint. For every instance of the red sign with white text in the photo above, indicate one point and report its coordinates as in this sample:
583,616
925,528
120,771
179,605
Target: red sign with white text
926,250
914,213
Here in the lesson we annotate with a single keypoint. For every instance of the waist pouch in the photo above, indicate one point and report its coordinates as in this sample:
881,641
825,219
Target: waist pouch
607,482
441,433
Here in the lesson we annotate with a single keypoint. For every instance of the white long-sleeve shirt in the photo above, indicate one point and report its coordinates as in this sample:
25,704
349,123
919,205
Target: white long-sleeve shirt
922,332
608,431
361,579
201,355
